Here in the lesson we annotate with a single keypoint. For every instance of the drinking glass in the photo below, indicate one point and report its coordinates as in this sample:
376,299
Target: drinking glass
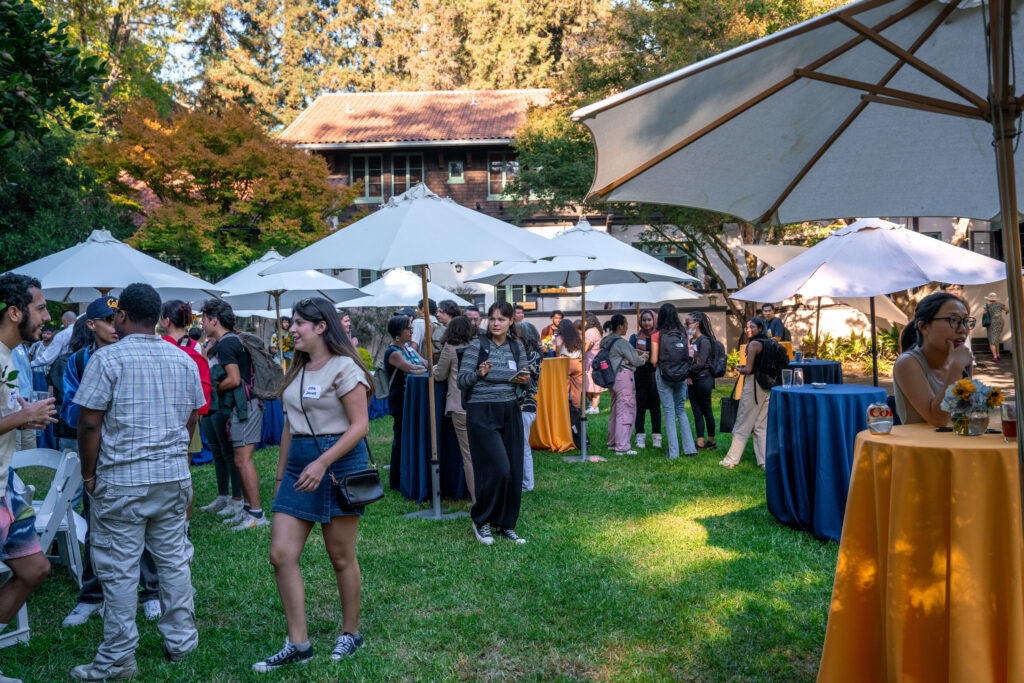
1009,414
787,378
40,396
798,356
798,377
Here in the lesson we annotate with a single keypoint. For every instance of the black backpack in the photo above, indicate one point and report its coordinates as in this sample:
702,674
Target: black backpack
602,373
772,359
718,360
674,356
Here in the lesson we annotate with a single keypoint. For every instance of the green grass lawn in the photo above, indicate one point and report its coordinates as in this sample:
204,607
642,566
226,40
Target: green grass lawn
639,568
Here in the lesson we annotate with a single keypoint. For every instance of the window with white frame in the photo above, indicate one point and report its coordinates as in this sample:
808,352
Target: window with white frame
456,172
368,168
501,168
406,171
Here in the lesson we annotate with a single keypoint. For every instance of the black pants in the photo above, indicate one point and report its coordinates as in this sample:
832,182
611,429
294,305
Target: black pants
91,590
495,433
215,428
700,404
647,401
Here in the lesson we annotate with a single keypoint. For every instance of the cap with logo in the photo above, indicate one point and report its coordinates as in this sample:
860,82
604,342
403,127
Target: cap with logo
101,308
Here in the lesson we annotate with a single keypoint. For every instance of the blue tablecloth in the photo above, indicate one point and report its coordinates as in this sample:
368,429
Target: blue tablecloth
415,466
827,371
810,453
273,424
378,407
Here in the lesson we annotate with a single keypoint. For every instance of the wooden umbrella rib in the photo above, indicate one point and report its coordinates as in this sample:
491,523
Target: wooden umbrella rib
763,95
766,42
889,75
893,93
928,70
906,104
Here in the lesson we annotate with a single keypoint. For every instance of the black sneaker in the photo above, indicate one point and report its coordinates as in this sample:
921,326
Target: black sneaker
510,535
346,645
483,533
289,654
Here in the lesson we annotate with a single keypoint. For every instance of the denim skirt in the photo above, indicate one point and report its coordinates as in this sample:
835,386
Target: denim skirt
322,504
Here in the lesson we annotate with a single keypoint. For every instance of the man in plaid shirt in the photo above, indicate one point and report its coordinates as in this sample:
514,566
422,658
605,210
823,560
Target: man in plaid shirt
138,402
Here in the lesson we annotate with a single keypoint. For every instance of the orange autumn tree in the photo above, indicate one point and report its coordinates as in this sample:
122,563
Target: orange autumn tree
220,191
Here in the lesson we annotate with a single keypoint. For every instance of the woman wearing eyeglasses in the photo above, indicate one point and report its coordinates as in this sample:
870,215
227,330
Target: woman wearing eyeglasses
936,353
325,391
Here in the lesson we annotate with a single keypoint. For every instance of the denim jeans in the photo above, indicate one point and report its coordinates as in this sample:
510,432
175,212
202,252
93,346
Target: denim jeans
673,401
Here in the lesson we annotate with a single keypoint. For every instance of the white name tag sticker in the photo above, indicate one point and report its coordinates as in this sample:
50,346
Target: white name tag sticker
12,400
512,365
312,391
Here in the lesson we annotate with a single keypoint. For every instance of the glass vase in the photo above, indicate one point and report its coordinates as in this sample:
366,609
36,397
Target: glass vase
973,423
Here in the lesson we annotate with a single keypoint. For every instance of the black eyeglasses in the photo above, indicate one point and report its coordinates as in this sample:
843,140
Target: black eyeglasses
955,322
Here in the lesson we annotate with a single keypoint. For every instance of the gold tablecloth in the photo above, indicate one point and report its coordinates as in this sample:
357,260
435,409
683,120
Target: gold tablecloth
928,581
551,430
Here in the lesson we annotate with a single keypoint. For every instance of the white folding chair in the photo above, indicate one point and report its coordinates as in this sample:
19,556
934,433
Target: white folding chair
55,519
17,632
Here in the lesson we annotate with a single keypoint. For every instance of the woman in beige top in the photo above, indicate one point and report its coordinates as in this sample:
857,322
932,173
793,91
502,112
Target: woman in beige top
458,335
325,393
936,352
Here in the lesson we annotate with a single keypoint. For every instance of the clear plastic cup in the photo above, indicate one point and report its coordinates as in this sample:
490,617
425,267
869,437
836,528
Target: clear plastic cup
787,377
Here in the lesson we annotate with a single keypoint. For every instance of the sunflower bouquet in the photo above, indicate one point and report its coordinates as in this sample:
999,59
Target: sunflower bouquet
970,396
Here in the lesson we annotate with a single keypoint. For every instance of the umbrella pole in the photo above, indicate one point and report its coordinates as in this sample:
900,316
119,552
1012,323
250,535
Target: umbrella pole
1004,117
583,384
637,318
874,345
280,332
817,327
434,512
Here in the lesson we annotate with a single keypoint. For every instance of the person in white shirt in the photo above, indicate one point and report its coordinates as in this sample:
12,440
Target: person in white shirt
60,342
419,327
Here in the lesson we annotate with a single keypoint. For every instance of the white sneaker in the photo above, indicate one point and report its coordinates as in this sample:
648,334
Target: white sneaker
656,438
8,679
81,613
218,503
151,609
239,517
593,411
251,522
641,441
231,508
629,452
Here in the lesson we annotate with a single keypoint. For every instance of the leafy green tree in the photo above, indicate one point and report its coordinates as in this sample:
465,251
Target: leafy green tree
223,192
632,43
44,79
52,201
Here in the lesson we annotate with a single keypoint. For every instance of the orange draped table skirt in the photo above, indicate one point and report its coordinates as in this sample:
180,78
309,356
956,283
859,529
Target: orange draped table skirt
551,430
928,581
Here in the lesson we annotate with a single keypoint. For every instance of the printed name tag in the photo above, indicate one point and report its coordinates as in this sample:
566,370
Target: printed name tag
512,365
12,400
312,391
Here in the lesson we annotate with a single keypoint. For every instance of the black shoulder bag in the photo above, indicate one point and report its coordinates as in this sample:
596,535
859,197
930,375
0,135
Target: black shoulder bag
355,489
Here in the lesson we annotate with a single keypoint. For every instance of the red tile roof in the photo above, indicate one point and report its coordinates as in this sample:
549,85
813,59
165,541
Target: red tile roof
382,117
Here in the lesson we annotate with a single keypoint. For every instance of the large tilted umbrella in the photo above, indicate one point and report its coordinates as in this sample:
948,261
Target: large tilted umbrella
775,255
613,262
103,265
419,228
398,288
869,258
879,108
249,290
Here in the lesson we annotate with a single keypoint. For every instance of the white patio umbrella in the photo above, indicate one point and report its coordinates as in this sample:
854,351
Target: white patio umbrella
249,290
612,262
103,265
868,258
398,288
824,118
775,255
419,228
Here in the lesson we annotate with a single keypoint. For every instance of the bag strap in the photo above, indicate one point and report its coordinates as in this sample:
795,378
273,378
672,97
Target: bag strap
316,439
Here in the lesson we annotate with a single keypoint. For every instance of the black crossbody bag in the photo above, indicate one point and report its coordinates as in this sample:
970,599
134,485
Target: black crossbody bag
355,489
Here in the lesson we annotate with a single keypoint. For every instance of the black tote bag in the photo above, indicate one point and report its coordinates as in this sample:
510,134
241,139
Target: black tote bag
727,413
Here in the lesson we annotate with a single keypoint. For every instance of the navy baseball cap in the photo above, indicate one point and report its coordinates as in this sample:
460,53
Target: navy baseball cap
101,308
408,310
